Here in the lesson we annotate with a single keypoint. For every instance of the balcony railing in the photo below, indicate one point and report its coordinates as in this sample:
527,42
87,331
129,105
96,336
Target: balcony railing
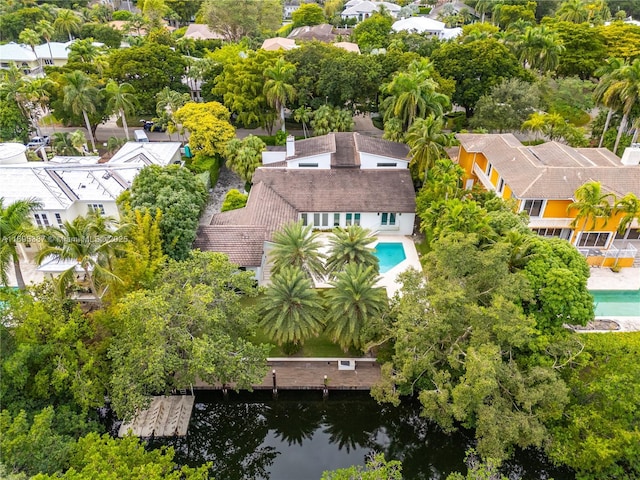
629,251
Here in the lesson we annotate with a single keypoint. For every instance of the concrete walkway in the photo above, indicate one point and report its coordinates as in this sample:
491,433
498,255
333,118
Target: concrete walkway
227,180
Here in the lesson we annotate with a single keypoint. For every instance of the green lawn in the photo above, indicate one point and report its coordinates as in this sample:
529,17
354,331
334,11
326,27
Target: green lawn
320,346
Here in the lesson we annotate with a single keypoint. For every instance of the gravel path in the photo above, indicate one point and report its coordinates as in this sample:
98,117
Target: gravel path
226,181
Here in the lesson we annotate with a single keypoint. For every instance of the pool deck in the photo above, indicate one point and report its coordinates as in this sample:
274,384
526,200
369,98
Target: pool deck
388,280
625,279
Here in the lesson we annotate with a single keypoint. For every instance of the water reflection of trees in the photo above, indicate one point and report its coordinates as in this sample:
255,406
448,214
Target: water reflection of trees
229,435
351,424
294,421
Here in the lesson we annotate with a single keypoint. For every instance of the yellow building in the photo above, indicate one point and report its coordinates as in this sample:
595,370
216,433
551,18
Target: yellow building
542,179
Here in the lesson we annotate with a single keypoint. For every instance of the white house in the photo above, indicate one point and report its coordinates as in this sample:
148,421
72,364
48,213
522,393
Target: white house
362,9
426,26
53,53
335,180
68,187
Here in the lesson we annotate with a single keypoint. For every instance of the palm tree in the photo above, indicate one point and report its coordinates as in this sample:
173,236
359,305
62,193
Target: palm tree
627,86
298,246
278,88
244,156
67,22
46,31
291,309
80,97
76,241
120,99
62,144
412,94
351,245
303,114
536,123
604,93
482,7
83,51
30,37
427,143
629,205
540,48
353,303
15,224
79,140
591,204
574,11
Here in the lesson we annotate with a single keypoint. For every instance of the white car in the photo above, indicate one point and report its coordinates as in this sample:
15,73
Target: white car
38,142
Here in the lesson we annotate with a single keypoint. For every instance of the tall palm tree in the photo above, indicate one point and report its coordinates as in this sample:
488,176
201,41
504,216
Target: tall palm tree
291,309
627,86
30,37
351,245
604,94
76,241
15,223
80,97
591,204
354,301
67,22
120,99
278,89
574,11
303,114
46,31
427,143
297,245
412,94
540,48
629,205
536,123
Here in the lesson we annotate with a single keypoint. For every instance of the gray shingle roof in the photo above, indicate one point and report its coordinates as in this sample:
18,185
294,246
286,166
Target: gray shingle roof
343,190
552,170
242,244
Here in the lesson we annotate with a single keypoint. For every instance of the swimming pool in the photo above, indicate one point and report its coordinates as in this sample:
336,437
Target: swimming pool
621,303
389,255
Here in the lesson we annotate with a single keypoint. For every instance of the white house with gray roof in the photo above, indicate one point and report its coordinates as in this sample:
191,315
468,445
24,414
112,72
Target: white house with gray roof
335,180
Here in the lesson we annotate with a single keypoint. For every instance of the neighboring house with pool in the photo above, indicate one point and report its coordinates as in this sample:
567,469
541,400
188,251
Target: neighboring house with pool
542,179
335,180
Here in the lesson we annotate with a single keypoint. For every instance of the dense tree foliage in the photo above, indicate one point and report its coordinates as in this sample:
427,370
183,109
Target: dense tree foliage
191,326
208,125
148,68
476,67
179,195
235,19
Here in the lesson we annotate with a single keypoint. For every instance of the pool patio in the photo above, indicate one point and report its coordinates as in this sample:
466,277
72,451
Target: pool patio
388,280
625,279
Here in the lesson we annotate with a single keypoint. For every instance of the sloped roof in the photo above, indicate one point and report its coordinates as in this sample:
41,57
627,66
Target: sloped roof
200,31
348,46
343,190
322,33
159,153
243,244
418,24
552,170
16,52
279,43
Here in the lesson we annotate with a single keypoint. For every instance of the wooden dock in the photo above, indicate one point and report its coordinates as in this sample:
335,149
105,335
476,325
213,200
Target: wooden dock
309,374
165,417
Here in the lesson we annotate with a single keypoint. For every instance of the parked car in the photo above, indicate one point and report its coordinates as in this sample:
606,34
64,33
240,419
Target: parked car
36,142
149,126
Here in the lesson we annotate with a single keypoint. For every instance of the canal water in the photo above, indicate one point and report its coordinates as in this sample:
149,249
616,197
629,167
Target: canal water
300,435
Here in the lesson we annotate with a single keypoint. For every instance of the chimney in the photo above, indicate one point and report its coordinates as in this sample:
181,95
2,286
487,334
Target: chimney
291,146
631,155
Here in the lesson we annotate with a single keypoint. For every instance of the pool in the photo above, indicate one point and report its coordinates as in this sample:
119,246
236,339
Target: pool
389,255
620,303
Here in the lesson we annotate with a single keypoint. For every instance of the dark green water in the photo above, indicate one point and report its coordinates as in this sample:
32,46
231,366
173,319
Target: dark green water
298,436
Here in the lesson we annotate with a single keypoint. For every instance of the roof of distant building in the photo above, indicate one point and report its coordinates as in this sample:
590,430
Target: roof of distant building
552,170
279,43
322,33
200,31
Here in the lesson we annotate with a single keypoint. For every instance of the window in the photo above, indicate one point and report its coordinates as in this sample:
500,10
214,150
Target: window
45,219
48,61
96,206
387,164
634,234
533,207
308,165
336,219
594,239
58,219
38,221
388,219
500,185
356,219
321,220
305,219
489,169
563,233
